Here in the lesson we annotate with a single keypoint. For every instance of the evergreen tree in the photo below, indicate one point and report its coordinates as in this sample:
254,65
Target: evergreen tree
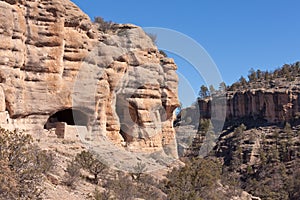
252,75
203,93
243,81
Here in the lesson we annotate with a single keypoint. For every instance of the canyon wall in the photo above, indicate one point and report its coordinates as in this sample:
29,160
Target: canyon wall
53,59
267,104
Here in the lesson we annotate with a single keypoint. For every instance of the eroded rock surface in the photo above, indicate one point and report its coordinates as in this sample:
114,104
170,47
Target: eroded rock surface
52,58
272,105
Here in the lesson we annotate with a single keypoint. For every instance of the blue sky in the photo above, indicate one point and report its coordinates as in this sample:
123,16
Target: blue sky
238,35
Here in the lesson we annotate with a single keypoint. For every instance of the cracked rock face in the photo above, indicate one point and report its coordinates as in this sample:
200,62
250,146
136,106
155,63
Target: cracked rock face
271,105
52,58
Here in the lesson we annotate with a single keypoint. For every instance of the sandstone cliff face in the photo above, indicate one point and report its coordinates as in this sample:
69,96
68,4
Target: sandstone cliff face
271,105
52,59
251,107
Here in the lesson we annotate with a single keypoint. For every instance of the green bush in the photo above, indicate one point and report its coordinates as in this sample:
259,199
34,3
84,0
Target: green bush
196,180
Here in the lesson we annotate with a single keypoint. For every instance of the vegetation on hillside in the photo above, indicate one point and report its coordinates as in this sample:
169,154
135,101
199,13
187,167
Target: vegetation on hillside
23,166
102,25
286,76
261,159
268,79
264,162
198,179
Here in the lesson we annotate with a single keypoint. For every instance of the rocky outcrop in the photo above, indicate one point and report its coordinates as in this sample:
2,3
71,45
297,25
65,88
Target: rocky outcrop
53,59
270,105
253,108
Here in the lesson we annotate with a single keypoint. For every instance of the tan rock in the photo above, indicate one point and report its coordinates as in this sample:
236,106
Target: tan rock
271,105
53,58
2,100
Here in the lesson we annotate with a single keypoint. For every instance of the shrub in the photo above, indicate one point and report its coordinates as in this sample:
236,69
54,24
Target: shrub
196,180
97,195
45,159
139,169
22,166
103,25
123,187
8,182
163,53
72,174
88,162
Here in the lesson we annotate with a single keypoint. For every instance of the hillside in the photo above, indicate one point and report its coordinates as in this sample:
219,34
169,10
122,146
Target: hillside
259,145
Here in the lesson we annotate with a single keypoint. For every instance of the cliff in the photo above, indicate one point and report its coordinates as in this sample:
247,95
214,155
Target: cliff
56,66
259,140
270,105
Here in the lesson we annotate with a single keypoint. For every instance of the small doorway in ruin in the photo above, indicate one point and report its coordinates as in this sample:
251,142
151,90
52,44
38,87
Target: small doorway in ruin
70,116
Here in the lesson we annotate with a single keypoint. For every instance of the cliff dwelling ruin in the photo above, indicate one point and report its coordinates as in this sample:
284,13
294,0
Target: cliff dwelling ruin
66,122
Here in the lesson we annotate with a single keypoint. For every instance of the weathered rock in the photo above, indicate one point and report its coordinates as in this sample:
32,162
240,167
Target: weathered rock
271,105
52,58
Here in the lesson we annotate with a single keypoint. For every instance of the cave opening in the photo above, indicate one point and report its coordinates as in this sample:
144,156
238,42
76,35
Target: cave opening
70,116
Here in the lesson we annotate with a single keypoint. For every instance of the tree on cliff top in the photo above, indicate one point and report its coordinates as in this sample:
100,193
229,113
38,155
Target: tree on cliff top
204,92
